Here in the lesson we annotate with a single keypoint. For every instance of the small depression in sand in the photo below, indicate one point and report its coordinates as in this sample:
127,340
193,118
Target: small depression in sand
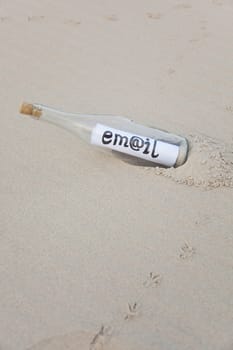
209,164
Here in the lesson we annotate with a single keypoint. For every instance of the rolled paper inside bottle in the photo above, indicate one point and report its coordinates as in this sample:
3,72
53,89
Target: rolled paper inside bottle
147,148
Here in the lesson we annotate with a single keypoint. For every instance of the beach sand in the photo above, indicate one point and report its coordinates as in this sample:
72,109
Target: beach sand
96,253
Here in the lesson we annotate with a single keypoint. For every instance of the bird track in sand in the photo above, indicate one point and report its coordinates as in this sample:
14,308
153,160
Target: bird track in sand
187,251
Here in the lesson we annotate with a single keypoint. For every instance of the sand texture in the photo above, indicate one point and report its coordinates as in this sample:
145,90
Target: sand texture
83,340
209,165
96,253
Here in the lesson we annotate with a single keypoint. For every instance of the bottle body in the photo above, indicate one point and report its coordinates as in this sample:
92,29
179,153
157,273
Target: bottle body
128,140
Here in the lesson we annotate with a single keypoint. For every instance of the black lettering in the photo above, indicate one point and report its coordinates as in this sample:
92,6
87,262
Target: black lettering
136,143
147,144
153,154
107,137
119,139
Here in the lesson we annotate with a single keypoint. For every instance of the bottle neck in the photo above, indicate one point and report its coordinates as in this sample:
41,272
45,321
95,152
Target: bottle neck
75,123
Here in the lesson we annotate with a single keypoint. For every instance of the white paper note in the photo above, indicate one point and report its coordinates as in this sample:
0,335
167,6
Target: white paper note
147,148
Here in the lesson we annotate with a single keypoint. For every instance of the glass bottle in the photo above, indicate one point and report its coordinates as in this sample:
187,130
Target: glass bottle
132,142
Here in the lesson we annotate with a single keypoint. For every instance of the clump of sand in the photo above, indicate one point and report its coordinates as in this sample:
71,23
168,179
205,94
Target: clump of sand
209,165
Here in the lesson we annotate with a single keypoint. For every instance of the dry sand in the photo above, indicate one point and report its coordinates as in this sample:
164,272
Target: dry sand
87,240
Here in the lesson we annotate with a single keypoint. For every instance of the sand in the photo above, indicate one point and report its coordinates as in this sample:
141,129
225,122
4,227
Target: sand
96,253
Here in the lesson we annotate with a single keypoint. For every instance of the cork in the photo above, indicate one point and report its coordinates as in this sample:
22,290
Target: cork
30,109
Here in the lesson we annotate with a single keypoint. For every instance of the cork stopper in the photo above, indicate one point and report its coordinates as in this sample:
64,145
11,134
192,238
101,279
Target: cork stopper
30,109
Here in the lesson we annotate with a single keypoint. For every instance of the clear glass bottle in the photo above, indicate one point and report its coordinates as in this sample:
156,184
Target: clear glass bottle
132,142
